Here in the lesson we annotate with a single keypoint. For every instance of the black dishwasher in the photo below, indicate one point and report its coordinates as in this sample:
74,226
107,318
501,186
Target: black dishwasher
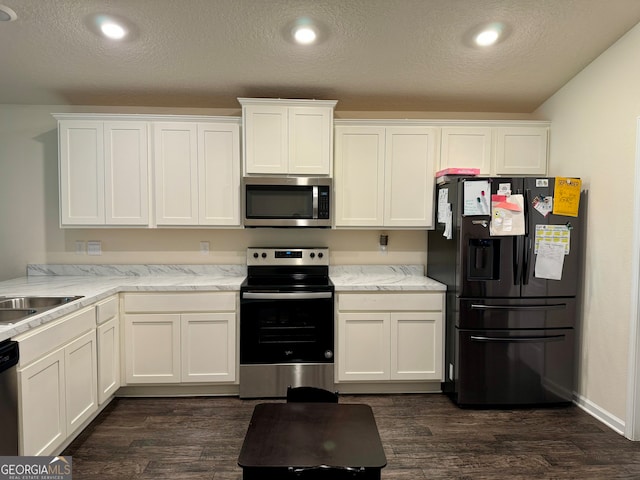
9,398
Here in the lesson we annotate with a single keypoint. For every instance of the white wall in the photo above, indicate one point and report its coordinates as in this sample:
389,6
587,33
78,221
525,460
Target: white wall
593,134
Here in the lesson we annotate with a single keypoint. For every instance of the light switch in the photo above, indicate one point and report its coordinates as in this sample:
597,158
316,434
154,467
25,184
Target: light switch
80,247
94,247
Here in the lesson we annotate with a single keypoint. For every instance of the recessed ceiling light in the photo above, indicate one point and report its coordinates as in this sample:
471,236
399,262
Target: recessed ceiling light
489,35
113,30
304,34
6,14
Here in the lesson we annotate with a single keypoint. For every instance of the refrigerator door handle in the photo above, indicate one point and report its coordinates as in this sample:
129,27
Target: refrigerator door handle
531,339
555,306
526,263
517,265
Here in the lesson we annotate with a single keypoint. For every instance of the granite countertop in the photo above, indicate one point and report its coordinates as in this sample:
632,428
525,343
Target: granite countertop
97,282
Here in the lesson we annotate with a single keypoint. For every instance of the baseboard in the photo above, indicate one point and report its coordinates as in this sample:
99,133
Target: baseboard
614,423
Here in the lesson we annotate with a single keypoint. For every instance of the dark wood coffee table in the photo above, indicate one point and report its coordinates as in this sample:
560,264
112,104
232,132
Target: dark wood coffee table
312,440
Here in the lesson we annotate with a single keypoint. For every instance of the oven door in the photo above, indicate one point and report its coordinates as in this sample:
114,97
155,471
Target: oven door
286,327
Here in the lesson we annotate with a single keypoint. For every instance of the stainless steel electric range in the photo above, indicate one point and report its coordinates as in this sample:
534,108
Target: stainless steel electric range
286,321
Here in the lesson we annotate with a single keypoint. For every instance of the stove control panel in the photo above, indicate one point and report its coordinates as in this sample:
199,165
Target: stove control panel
287,256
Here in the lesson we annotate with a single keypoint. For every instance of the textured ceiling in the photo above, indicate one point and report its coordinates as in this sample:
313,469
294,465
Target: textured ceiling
396,55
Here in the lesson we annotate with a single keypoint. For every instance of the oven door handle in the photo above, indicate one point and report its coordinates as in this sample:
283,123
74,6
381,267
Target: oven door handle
286,295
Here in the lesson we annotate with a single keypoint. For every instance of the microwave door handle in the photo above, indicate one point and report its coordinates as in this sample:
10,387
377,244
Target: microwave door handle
315,202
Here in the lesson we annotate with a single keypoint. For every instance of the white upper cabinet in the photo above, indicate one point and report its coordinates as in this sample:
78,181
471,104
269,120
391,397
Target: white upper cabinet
521,150
359,176
466,147
384,175
104,169
496,148
409,176
219,174
175,156
197,173
287,136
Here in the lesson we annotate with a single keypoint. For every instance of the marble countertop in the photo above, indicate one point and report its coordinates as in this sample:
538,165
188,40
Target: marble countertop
382,278
96,282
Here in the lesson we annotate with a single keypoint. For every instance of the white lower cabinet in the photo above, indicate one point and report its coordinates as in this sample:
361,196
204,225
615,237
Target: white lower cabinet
163,347
108,335
152,348
396,336
43,413
57,382
206,345
80,363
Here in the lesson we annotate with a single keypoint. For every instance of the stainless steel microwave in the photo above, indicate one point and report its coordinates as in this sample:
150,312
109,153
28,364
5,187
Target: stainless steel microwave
287,201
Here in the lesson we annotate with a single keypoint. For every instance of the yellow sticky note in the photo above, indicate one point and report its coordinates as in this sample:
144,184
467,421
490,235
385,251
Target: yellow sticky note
566,196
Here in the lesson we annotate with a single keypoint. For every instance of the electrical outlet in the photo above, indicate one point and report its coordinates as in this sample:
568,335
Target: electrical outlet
204,248
94,247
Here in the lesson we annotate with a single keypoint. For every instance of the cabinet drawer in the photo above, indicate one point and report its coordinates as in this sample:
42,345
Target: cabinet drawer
36,343
107,309
179,302
391,301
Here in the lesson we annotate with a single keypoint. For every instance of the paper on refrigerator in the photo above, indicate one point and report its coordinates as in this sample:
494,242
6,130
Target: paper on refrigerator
549,261
445,214
476,197
507,215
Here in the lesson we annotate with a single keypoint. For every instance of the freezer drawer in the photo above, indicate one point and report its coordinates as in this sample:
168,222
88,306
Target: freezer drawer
514,367
534,313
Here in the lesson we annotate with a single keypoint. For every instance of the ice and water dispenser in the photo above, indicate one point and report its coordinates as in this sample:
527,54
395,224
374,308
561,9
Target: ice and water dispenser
483,261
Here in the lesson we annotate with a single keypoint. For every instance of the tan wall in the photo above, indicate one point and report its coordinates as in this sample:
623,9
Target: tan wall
593,135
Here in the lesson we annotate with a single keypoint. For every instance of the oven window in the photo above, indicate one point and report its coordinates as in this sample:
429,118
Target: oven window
286,331
266,201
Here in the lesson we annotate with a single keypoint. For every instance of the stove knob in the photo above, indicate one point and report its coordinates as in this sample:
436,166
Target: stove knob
328,354
320,255
255,255
312,255
264,255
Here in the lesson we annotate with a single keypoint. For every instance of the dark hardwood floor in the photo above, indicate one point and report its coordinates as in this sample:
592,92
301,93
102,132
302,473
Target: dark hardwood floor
424,436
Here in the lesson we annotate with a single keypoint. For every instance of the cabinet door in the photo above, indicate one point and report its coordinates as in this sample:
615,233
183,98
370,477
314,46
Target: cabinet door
176,173
359,176
81,380
266,147
108,359
363,346
466,147
521,150
152,348
409,176
208,347
219,174
81,167
416,346
42,401
310,140
126,150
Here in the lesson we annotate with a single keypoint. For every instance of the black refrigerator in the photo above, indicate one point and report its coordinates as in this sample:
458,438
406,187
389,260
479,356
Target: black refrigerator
512,270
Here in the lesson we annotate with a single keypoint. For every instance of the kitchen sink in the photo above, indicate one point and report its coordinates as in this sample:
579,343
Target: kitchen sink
35,302
15,309
9,316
